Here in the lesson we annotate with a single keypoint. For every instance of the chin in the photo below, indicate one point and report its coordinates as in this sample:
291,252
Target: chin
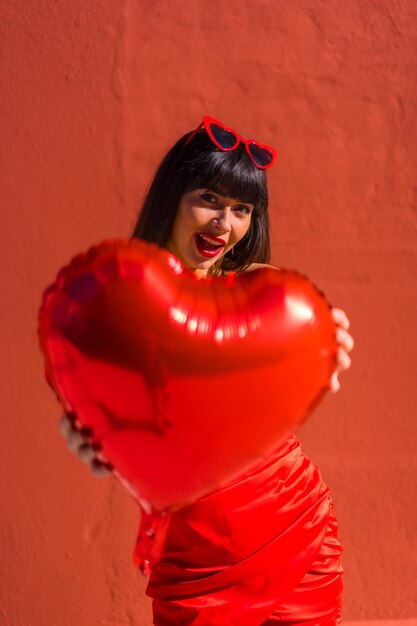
202,264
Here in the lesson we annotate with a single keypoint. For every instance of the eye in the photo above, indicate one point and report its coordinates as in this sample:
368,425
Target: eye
209,197
243,208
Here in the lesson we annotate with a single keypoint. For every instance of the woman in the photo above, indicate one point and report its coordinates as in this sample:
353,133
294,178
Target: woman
264,548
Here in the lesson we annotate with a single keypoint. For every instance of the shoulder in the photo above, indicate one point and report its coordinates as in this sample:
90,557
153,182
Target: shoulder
258,266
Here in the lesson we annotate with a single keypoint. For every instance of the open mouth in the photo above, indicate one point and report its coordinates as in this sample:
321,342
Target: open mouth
208,246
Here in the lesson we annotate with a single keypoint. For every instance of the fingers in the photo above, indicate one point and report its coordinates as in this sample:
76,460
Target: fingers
79,441
343,361
340,318
346,344
64,425
345,339
334,382
86,453
100,469
75,440
91,455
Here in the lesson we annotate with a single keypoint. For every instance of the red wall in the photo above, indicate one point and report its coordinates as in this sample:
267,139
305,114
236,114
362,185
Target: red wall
93,94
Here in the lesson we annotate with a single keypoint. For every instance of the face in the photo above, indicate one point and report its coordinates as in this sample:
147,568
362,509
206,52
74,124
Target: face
207,225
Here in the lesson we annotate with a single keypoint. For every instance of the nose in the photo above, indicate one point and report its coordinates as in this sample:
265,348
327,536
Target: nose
222,220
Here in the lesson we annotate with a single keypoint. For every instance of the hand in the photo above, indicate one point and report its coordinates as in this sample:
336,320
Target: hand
346,344
79,441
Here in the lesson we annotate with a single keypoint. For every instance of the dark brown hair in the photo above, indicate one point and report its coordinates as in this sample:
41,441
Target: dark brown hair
200,164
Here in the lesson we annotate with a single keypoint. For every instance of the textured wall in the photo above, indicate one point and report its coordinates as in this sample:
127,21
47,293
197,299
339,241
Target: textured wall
93,93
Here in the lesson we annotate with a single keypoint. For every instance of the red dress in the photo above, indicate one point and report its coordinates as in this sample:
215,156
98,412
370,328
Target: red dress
262,550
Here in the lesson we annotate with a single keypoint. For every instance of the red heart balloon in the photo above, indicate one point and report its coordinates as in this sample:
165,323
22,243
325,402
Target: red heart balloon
184,381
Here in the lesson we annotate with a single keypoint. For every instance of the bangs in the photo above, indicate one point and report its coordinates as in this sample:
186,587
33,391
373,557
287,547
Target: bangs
232,173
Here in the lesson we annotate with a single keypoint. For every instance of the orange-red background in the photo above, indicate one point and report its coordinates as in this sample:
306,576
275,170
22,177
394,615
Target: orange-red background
93,94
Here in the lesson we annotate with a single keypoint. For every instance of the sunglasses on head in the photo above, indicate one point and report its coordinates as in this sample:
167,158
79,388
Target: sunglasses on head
227,139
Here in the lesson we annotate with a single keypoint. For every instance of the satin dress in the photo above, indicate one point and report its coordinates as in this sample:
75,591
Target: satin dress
262,550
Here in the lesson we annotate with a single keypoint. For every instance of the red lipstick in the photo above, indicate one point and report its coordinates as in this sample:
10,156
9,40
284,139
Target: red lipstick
216,239
209,248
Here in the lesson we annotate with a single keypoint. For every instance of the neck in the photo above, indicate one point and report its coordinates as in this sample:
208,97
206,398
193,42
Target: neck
200,273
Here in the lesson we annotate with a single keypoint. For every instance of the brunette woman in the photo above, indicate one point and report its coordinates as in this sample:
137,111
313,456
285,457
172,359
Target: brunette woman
264,549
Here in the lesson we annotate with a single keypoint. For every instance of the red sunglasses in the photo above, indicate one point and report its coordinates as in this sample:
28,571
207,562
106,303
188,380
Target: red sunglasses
227,139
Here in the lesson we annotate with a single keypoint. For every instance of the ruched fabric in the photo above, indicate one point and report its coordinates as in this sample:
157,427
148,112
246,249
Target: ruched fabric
262,550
